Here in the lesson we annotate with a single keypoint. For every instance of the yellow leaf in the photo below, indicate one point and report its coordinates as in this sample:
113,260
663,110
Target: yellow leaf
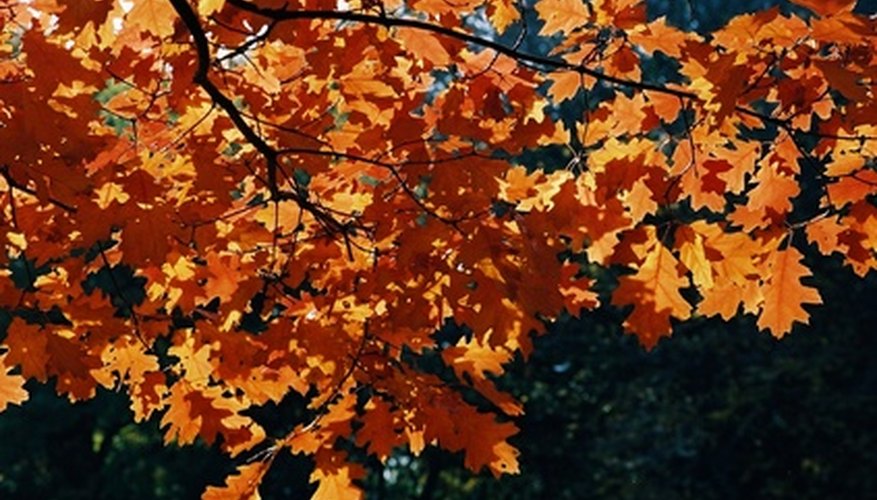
109,193
154,16
125,358
502,14
196,362
207,7
561,15
693,255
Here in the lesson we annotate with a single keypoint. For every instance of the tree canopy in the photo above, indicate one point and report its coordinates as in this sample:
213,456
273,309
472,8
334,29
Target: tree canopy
372,206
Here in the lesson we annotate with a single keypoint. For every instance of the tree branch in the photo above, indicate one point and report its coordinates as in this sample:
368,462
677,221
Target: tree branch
290,15
193,25
14,184
282,14
202,78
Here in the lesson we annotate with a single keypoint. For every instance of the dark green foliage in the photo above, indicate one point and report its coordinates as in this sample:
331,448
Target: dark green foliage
91,450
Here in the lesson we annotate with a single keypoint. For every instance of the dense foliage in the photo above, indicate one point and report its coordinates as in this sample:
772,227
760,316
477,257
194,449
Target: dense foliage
328,229
720,412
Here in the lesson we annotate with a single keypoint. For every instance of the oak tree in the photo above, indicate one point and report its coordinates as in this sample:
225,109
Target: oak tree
213,204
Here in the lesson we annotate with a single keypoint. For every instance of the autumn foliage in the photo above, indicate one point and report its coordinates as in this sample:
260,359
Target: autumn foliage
213,204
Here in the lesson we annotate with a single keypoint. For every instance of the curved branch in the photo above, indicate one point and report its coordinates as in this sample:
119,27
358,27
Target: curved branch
202,79
193,25
290,15
281,14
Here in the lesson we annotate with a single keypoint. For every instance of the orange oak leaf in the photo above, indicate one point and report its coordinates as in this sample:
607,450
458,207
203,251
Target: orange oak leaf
242,485
76,15
692,253
194,361
828,7
486,446
335,477
658,35
27,348
502,14
853,188
382,429
424,46
181,427
126,362
784,294
565,85
148,395
654,291
842,79
577,292
475,360
11,386
725,300
562,15
153,16
826,233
